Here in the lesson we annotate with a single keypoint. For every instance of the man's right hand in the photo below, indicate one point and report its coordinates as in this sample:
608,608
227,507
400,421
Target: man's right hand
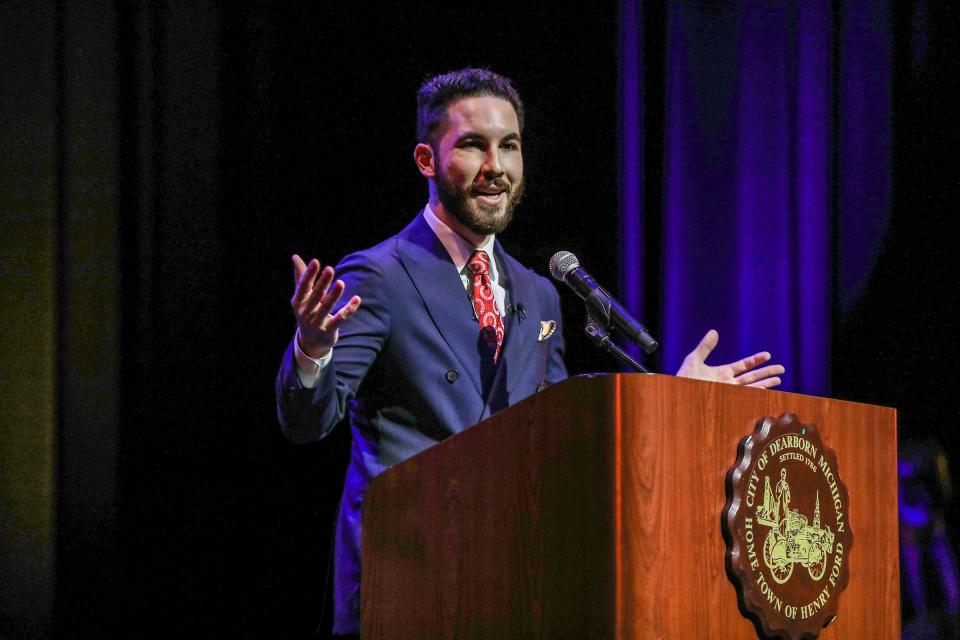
312,301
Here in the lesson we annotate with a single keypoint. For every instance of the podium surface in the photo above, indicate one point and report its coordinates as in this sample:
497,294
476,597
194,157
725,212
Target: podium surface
594,509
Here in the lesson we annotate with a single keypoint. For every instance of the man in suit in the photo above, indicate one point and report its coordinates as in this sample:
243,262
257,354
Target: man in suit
442,327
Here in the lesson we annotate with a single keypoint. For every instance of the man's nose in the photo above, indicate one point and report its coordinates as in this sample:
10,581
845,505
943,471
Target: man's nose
491,163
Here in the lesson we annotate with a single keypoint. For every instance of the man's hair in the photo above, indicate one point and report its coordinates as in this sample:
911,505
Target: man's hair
437,93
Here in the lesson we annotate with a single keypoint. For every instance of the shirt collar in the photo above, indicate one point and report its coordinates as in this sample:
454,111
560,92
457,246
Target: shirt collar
459,248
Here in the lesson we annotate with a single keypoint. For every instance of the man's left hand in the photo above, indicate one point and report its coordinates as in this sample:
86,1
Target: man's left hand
744,372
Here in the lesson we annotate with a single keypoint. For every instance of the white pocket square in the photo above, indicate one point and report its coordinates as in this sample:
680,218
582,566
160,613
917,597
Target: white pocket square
547,327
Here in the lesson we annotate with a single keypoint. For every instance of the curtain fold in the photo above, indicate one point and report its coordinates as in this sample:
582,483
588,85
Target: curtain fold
769,108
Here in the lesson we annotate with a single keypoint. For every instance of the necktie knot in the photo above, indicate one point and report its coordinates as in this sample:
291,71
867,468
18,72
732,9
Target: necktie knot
479,263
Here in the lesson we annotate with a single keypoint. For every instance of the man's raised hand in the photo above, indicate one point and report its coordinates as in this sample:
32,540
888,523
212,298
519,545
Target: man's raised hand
312,302
743,371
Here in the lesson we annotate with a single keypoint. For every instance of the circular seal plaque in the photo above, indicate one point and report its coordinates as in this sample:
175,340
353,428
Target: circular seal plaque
786,527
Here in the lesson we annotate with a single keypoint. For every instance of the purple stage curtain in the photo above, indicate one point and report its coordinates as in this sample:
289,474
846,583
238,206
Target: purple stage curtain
631,159
776,176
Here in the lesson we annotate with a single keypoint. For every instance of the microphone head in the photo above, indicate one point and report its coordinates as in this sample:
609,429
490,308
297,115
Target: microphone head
562,263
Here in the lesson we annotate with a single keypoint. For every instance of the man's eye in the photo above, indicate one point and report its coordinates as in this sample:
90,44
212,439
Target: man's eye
511,146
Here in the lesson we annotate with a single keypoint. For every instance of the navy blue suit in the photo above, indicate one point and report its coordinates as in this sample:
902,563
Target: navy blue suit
411,368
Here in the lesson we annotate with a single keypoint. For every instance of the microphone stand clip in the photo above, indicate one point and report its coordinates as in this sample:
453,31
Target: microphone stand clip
601,337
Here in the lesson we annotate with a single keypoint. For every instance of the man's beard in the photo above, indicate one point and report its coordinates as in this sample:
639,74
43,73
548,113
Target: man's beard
482,219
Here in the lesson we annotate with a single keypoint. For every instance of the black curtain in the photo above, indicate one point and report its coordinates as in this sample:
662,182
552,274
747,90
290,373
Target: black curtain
193,147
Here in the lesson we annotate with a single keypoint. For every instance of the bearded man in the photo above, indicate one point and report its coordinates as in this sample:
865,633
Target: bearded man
442,327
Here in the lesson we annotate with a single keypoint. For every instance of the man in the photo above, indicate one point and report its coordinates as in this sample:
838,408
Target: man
783,496
442,328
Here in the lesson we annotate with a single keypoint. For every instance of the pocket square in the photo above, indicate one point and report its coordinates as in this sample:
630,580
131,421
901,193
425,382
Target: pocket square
547,327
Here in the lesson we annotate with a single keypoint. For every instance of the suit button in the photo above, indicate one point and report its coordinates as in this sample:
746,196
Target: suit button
452,376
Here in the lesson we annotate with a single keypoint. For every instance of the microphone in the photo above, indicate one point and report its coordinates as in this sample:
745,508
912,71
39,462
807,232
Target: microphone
519,309
565,267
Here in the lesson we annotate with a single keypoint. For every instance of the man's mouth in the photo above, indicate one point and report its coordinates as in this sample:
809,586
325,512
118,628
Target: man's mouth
490,195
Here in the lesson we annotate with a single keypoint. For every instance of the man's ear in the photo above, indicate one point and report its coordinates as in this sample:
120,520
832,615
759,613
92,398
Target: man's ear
423,156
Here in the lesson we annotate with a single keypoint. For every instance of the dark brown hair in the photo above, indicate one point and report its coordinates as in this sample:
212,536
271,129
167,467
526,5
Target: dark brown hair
437,93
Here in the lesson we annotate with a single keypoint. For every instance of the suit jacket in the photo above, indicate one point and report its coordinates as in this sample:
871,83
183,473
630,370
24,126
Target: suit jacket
411,368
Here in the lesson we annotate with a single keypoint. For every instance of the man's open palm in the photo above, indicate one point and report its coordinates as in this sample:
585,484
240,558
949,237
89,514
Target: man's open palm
312,302
743,372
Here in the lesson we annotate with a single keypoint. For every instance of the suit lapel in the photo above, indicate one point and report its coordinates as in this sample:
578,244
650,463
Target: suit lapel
433,274
521,329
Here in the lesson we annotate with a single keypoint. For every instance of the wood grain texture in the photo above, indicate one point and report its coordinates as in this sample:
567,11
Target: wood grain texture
502,531
680,439
593,510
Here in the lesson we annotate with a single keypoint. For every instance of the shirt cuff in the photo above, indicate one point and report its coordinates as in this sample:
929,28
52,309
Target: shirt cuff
309,369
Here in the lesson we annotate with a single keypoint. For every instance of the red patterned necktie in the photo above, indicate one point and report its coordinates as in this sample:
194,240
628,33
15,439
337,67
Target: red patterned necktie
484,304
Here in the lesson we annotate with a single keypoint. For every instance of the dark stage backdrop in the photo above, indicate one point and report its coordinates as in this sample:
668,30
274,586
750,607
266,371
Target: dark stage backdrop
159,164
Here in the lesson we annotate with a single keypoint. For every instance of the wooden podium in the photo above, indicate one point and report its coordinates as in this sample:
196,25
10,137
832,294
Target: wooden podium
594,510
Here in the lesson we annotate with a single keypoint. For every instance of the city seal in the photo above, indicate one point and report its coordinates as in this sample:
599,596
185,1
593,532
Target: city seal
787,529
